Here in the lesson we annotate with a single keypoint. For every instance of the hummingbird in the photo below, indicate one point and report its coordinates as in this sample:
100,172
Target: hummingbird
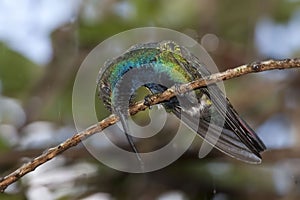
207,111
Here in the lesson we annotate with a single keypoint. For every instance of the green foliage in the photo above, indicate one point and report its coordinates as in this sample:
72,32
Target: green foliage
3,144
283,10
145,13
236,19
17,74
12,197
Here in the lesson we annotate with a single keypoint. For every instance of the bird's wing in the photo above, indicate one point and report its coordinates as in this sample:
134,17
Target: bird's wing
221,138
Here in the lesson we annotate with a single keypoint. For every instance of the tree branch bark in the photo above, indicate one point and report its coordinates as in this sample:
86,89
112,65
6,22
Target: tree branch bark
142,105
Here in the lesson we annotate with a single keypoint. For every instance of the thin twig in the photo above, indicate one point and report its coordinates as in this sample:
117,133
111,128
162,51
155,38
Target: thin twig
142,105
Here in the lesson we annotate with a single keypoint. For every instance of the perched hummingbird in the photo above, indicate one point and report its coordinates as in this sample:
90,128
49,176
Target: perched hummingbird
158,66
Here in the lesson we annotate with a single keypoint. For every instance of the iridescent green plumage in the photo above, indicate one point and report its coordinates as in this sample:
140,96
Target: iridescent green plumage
158,66
159,57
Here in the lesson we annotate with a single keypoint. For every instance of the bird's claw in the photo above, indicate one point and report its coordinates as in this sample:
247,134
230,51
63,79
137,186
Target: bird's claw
147,100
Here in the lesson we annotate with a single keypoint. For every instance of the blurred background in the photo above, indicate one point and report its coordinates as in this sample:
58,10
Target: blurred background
42,45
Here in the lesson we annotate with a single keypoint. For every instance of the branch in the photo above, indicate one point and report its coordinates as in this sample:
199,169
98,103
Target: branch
142,105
